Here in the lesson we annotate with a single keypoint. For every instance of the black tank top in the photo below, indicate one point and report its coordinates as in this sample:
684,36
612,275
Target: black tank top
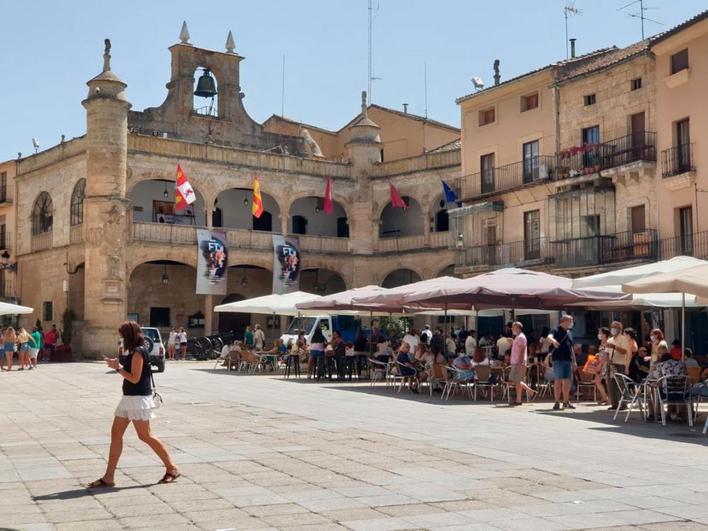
143,387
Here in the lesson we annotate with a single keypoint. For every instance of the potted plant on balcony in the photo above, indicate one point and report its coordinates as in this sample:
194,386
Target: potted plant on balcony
63,352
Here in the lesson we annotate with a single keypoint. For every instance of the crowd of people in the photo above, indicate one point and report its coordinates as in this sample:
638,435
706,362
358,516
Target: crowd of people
28,347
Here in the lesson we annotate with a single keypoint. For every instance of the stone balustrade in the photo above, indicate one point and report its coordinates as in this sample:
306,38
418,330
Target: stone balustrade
427,161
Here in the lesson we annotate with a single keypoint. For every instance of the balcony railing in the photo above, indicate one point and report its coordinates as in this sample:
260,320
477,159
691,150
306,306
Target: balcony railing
249,239
41,241
401,243
570,252
440,239
510,176
323,244
677,160
76,233
7,289
164,233
691,244
592,158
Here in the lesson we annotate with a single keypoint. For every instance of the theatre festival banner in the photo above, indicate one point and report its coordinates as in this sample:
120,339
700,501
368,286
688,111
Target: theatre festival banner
286,264
212,262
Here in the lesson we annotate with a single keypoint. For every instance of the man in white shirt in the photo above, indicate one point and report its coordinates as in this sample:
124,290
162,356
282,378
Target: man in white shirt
503,346
470,343
258,338
413,339
427,334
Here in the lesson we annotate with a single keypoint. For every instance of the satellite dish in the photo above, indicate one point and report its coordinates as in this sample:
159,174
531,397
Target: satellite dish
478,83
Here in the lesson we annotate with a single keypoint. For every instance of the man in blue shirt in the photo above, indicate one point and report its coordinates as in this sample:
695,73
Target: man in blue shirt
563,360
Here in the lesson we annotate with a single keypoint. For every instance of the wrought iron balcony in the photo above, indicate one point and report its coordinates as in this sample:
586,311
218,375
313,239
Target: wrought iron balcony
510,176
592,158
677,160
691,244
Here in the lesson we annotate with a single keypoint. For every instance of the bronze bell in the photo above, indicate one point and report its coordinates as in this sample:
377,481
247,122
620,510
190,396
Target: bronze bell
206,86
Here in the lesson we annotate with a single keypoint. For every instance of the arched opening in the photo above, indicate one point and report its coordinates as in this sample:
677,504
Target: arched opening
77,203
161,293
76,293
42,214
321,281
400,277
232,210
307,216
153,201
395,222
441,221
245,282
205,99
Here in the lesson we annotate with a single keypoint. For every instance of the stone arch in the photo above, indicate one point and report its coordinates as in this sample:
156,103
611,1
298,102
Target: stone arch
395,222
310,208
153,198
76,209
42,214
149,254
322,281
232,210
400,276
437,214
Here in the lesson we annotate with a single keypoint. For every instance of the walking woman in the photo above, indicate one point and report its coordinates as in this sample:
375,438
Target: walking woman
603,360
136,406
9,338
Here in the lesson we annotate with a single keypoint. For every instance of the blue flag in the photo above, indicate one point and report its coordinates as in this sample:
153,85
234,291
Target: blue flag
450,195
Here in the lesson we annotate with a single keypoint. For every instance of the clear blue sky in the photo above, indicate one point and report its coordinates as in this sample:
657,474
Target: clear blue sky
49,49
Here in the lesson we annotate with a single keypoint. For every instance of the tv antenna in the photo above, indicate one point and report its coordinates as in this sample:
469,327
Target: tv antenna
371,76
568,11
641,15
425,87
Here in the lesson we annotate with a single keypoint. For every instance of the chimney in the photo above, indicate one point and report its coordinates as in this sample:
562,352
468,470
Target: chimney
572,48
405,108
497,77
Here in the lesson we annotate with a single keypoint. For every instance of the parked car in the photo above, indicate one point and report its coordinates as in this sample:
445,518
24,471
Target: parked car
155,348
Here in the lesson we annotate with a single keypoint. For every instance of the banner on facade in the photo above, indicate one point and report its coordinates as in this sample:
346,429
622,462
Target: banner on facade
212,262
286,264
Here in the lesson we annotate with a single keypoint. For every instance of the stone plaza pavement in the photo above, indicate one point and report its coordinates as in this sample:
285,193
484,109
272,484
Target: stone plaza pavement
258,452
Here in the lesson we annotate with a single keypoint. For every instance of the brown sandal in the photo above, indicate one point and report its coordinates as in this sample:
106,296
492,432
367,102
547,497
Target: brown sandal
170,477
100,484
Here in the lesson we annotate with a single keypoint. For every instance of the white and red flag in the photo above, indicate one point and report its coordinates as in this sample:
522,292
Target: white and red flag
184,193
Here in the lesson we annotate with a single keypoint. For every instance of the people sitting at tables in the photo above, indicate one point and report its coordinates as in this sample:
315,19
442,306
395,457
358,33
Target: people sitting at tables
689,360
471,343
406,368
463,363
639,367
656,337
450,347
383,351
412,338
503,346
676,350
479,357
667,366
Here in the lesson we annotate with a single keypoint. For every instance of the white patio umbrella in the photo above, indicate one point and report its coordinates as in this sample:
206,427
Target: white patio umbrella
7,308
692,281
273,304
630,274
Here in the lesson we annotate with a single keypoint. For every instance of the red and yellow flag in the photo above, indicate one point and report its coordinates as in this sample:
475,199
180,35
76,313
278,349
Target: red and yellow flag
257,203
184,193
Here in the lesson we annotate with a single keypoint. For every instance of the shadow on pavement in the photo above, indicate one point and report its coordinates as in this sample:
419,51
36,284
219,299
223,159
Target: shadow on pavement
82,492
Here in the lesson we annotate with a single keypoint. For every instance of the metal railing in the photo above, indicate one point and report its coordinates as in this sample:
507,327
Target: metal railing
441,239
517,253
401,243
677,160
324,244
510,176
164,232
692,244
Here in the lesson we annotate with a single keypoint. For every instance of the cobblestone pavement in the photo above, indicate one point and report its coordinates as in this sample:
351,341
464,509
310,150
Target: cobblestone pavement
258,452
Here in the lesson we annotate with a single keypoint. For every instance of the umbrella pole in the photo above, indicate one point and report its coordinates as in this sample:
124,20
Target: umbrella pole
683,325
371,332
446,323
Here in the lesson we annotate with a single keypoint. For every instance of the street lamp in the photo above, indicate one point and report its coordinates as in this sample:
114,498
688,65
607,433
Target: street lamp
165,279
6,265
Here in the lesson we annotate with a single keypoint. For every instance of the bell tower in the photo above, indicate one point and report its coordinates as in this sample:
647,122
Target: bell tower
105,208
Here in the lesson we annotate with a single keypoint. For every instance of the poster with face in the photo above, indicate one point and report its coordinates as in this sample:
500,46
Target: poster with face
212,262
286,264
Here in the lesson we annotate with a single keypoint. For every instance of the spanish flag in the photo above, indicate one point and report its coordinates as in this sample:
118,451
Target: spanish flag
184,193
257,203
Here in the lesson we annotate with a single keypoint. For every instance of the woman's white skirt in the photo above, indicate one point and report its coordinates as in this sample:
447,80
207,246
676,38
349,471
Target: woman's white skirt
136,408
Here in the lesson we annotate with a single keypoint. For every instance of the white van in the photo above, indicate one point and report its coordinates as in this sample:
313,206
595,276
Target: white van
347,325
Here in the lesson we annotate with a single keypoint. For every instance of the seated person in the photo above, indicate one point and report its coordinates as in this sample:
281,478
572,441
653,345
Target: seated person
638,367
676,349
383,351
667,366
231,354
479,357
463,363
689,361
406,368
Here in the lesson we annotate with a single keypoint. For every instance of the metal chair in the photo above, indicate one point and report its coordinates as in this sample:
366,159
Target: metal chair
379,372
455,382
631,394
585,381
675,391
482,380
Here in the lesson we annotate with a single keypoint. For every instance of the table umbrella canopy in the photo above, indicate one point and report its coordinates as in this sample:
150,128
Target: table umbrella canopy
693,280
504,288
14,309
645,301
630,274
342,302
269,304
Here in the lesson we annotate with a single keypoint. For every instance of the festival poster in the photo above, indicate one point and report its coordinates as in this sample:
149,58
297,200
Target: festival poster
212,262
286,264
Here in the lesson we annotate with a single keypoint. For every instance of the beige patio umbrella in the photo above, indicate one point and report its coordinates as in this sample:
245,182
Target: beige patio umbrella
693,281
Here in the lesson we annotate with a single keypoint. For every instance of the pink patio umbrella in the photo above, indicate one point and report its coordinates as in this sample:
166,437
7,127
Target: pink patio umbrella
343,302
504,288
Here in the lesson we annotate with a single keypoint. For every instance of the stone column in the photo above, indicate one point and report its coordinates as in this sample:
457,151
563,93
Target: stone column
106,220
208,314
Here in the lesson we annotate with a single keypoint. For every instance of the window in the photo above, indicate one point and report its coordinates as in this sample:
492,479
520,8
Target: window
486,163
486,117
299,224
589,99
47,311
590,137
679,61
159,317
42,214
637,219
3,235
530,156
3,186
683,145
685,227
77,202
636,83
528,102
532,235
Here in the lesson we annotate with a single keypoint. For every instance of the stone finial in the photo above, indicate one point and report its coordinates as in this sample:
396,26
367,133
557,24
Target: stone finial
364,112
184,33
230,44
107,55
